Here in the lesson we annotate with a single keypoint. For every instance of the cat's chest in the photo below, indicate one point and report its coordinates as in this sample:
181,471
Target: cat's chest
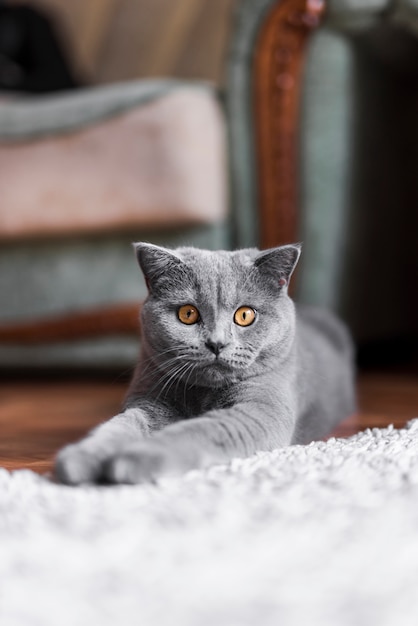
198,400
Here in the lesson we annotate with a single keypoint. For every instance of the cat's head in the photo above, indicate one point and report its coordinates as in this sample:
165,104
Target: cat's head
216,317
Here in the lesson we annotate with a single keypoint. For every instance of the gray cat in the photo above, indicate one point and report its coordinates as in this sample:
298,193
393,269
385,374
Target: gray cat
227,367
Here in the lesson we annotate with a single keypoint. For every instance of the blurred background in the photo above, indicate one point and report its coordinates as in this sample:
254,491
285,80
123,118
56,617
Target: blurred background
106,41
215,123
218,114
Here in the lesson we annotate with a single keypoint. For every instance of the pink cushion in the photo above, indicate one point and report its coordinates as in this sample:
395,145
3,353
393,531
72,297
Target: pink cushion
162,164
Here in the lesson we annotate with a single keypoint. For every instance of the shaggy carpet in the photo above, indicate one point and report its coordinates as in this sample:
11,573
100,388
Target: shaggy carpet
324,534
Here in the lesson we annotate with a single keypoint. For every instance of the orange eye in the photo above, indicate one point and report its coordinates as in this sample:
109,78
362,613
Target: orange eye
188,314
244,316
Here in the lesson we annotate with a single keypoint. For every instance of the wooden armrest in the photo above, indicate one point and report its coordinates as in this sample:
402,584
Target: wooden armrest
122,319
277,75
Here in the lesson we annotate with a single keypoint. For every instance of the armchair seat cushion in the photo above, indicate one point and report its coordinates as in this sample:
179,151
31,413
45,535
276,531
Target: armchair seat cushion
150,164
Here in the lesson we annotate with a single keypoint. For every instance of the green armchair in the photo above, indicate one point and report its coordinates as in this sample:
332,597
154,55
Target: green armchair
318,126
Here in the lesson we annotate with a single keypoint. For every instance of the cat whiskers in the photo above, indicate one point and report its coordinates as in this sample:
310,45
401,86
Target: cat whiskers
193,367
153,360
161,373
174,375
171,371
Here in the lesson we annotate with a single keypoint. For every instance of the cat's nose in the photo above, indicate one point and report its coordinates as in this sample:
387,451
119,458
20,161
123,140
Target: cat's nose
215,346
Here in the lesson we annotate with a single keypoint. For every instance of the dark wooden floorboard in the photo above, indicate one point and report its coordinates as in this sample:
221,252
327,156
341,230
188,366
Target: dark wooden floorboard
37,418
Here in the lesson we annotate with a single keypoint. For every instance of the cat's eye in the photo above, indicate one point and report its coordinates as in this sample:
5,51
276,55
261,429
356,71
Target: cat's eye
188,314
244,316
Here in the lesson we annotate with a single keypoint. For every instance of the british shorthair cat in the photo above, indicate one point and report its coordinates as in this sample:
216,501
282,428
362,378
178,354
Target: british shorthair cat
228,367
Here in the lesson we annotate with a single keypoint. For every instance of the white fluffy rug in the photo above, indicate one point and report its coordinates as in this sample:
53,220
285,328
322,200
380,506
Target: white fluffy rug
325,534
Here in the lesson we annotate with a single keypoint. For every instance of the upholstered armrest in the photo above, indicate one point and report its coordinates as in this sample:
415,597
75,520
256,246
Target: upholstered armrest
24,118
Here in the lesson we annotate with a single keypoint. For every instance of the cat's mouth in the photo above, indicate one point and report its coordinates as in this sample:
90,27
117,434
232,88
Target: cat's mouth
217,373
219,366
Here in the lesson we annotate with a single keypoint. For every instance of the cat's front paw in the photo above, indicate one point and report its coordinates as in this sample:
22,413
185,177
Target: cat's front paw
143,463
75,466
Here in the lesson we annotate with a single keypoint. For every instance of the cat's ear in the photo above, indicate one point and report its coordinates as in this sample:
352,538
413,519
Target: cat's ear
278,264
158,264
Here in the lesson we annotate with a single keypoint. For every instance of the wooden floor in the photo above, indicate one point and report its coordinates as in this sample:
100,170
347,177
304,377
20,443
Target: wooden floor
37,418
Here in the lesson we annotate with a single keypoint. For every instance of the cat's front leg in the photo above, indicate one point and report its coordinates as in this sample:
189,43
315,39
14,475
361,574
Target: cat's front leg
86,461
216,437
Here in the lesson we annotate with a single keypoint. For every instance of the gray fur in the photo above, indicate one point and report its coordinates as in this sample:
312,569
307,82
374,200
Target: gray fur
287,378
